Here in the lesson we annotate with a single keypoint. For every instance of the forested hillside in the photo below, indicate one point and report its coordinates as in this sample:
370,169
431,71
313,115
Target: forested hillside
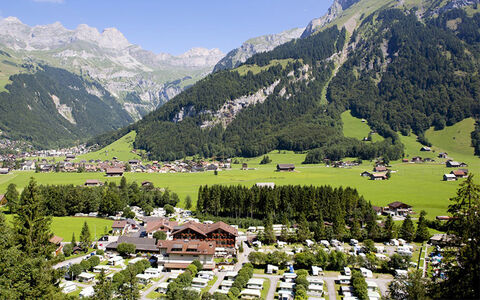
51,107
400,70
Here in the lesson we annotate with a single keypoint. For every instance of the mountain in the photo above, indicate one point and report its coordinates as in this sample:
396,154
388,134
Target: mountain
401,65
139,79
51,107
333,13
256,45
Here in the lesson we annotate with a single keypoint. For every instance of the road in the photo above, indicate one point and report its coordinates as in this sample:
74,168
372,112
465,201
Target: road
144,294
75,260
273,284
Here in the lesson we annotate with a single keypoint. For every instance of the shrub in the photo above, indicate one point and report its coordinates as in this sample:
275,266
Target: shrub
125,249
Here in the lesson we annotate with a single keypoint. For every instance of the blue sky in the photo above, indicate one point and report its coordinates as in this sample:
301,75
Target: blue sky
173,26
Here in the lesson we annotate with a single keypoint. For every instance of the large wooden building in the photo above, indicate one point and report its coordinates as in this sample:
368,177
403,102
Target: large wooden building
222,234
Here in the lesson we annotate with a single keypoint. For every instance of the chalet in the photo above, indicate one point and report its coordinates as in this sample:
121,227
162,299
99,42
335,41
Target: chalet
366,174
144,245
134,162
405,160
120,227
378,210
28,165
93,182
442,239
212,167
285,167
146,184
224,235
452,164
57,241
244,166
379,176
417,159
178,254
399,208
443,155
449,177
159,224
3,171
460,173
379,169
70,156
425,148
110,172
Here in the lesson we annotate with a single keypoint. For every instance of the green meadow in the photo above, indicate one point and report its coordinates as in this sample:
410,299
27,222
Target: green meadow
65,226
420,185
355,128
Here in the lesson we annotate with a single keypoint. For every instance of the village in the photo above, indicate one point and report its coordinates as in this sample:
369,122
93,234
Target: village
163,246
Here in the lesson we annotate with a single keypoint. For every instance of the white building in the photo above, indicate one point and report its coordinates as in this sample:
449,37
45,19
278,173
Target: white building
366,273
87,292
255,284
86,277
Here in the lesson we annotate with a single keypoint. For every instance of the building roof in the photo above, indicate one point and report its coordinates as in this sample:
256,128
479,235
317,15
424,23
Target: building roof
156,224
194,247
204,229
398,204
114,170
142,244
119,224
93,181
55,240
458,172
380,169
285,166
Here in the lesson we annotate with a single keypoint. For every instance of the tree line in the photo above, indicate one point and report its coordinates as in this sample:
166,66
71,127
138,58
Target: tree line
67,200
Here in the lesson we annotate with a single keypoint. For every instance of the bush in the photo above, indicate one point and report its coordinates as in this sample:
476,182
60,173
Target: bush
197,264
67,250
94,261
100,252
169,209
359,285
160,236
125,249
85,264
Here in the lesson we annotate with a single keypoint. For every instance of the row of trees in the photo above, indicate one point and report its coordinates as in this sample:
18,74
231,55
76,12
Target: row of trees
65,200
340,206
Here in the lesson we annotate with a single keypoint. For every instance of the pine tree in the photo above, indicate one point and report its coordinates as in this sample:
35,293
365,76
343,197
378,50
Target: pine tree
422,233
103,288
123,184
356,231
12,197
284,235
32,227
407,231
74,241
188,202
303,229
389,229
85,237
268,235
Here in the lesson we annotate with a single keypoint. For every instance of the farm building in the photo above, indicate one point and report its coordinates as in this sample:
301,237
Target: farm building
110,172
285,167
399,208
460,173
449,177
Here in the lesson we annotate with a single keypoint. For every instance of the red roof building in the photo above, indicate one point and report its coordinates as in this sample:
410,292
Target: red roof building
223,234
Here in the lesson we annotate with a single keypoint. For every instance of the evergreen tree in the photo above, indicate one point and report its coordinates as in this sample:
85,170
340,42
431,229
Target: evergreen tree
303,229
12,197
74,241
123,183
355,230
407,231
103,288
188,202
422,233
268,235
32,227
389,229
284,234
461,264
85,237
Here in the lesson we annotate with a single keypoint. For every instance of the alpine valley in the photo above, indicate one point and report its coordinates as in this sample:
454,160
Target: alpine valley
402,66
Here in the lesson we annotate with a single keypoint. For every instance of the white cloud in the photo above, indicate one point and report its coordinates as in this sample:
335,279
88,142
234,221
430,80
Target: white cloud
50,1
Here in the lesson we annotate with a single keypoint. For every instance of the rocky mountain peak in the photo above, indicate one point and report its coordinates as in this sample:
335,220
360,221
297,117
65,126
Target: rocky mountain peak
12,20
113,38
337,7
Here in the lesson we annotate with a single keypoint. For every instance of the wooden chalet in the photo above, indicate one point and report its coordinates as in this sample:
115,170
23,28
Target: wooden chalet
57,241
285,167
93,182
114,172
224,235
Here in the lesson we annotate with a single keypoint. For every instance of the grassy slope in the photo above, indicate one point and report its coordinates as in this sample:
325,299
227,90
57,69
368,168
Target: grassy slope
121,148
244,69
354,127
65,226
456,140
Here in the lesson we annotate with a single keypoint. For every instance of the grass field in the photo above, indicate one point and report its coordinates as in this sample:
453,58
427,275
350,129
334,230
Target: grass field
65,226
243,70
355,128
122,149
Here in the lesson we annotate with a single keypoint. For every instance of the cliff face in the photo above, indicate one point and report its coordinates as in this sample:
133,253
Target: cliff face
139,79
337,7
256,45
